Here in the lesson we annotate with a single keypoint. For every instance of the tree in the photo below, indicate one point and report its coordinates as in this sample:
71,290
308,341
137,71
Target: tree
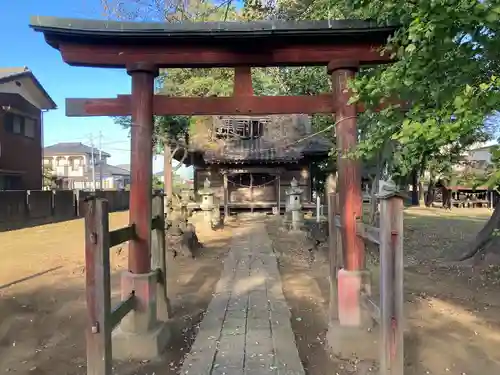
49,179
171,133
447,67
488,238
446,51
157,183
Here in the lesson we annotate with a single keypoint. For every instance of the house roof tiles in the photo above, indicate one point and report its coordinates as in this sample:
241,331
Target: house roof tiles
70,148
13,73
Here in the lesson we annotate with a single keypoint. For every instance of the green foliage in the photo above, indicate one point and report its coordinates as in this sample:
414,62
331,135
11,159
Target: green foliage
491,177
172,128
177,82
447,67
157,183
49,179
446,51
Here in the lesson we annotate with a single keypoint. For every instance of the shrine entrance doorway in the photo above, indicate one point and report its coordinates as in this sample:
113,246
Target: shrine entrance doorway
254,188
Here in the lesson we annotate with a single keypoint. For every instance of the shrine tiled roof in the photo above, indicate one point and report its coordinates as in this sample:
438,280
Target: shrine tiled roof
252,150
59,29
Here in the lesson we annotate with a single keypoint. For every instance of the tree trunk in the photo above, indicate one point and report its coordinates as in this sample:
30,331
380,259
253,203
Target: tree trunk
421,173
487,240
429,198
415,201
446,193
420,191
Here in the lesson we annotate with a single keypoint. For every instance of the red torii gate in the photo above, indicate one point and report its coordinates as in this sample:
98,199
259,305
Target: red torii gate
143,48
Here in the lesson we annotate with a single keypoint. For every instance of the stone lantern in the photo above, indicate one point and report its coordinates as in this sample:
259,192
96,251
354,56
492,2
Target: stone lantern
207,201
294,214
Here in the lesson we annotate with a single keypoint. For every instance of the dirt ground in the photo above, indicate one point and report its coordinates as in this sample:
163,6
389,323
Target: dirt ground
42,298
453,324
452,313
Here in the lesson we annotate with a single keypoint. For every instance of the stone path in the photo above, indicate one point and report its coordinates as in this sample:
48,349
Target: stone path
247,328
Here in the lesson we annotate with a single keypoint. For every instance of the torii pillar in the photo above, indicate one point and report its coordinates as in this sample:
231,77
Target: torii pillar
352,319
349,170
140,335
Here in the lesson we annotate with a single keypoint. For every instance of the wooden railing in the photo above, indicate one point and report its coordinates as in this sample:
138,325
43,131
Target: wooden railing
388,313
102,318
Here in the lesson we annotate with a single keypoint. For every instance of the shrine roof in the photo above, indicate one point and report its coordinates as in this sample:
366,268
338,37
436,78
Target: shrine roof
260,150
87,31
251,150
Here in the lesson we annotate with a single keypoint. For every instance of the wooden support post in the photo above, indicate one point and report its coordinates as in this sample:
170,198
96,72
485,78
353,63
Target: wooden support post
226,197
251,192
349,170
279,196
139,261
391,285
318,208
334,250
97,287
243,81
159,259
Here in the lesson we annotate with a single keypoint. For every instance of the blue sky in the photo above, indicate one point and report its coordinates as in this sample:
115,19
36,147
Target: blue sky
21,46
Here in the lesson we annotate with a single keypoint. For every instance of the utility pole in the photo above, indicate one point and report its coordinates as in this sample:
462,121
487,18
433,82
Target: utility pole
100,160
92,162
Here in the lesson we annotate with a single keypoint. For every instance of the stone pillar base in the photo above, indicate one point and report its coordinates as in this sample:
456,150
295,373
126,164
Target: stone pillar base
351,284
346,342
293,220
140,346
140,335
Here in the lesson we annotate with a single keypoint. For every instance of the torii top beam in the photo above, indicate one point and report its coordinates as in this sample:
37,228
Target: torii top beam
213,44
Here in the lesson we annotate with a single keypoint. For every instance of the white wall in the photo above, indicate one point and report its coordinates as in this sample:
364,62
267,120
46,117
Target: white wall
27,90
66,169
479,155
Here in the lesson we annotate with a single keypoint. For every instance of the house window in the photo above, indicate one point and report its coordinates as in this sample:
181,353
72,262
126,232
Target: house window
12,123
76,164
29,127
17,124
10,182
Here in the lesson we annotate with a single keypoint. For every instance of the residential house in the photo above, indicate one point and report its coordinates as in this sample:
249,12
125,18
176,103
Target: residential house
23,101
124,166
477,158
79,166
480,157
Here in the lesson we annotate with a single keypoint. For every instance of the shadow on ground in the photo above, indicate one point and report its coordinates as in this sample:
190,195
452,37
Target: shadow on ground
42,317
452,313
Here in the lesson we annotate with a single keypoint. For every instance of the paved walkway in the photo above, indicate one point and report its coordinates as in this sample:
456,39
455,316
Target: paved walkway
247,327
